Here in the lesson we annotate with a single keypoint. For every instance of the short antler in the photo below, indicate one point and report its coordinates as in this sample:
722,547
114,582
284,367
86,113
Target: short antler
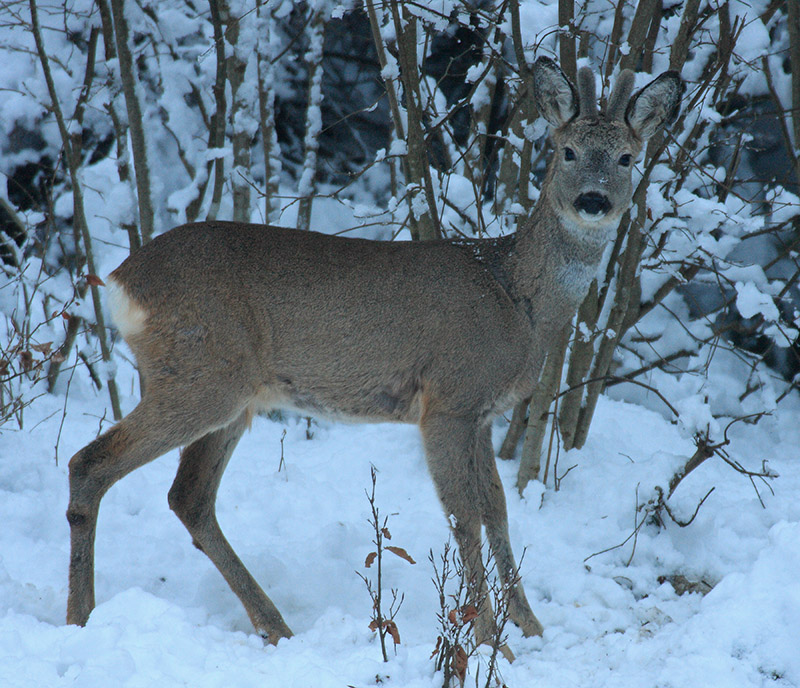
587,97
618,100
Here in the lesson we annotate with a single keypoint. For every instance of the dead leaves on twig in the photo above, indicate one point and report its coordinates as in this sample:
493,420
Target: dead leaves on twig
389,627
397,551
382,621
460,663
458,658
400,552
462,616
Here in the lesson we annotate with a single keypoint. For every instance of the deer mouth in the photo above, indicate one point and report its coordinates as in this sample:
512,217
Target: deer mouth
592,205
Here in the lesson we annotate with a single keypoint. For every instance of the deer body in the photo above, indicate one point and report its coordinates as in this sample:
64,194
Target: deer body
477,350
230,319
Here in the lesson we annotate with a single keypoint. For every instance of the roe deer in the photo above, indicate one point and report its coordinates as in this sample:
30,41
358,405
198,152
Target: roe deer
230,319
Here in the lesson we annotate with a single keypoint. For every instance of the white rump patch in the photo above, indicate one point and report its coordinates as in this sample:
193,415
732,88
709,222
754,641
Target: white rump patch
129,317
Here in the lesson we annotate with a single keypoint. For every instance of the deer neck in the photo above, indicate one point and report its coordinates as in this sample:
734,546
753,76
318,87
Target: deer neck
553,263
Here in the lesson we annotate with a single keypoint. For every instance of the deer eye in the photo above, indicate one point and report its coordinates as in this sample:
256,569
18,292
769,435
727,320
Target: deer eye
625,160
569,154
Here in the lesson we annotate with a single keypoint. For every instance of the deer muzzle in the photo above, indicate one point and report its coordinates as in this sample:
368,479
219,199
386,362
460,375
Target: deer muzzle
592,203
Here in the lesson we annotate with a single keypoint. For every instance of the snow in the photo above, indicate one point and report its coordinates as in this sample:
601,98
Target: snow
751,302
165,617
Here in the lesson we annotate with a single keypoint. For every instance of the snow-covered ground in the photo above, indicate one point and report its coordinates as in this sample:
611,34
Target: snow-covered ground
165,617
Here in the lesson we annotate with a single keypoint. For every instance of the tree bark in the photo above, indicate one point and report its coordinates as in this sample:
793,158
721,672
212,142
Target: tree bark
79,216
266,107
549,381
135,120
566,38
793,11
216,134
307,186
420,182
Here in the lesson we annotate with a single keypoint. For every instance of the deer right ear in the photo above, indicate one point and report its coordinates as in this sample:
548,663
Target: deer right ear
656,105
555,96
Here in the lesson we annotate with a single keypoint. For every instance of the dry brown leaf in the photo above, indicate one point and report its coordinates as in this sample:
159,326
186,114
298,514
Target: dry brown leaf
393,631
468,613
436,649
460,661
386,533
459,617
400,552
26,359
370,558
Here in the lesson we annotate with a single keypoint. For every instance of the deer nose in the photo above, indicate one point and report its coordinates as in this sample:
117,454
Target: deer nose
592,203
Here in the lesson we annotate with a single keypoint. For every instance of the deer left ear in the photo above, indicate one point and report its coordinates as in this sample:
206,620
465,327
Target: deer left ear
656,105
555,96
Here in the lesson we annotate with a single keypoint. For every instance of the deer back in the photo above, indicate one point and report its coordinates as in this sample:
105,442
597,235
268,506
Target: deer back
345,327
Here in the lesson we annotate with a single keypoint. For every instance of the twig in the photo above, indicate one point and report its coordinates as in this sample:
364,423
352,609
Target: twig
282,463
635,529
682,524
705,450
381,622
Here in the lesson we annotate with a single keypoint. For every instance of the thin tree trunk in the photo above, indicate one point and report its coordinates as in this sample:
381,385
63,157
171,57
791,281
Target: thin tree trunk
793,11
216,136
566,38
79,217
580,360
549,382
515,175
390,74
625,296
120,125
76,139
240,116
307,186
420,182
266,107
680,46
516,428
652,37
477,164
135,121
640,25
614,42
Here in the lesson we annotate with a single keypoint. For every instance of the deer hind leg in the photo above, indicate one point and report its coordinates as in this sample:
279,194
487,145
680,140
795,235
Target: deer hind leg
143,435
495,519
193,498
450,448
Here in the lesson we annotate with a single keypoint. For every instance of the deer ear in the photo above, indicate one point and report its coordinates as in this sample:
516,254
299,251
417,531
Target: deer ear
656,105
555,96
